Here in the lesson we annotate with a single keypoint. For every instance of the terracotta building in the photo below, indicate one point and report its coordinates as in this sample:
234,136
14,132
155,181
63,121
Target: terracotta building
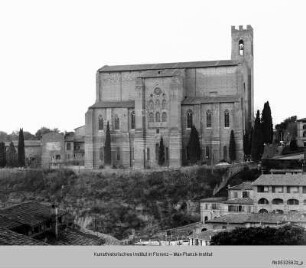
143,103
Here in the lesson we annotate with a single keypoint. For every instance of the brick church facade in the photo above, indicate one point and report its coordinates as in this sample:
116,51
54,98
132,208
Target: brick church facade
143,103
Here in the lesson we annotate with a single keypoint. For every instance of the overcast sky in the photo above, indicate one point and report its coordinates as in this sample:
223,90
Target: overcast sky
50,51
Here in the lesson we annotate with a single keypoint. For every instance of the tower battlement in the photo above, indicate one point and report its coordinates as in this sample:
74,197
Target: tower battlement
241,28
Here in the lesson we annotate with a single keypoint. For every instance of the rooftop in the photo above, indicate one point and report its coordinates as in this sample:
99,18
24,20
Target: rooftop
213,199
175,65
281,179
30,213
247,185
114,104
8,237
206,235
78,238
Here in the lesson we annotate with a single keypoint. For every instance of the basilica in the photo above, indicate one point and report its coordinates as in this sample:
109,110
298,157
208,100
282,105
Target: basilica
143,103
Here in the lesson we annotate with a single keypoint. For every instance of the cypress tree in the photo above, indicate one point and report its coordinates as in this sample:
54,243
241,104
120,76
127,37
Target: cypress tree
194,147
11,156
257,139
267,124
2,154
161,155
232,147
107,147
247,142
21,151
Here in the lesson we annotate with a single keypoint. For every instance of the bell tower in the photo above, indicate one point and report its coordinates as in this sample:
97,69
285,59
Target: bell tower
242,50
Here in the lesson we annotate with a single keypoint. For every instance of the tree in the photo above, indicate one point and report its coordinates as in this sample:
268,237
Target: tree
266,124
107,147
287,130
4,136
247,142
44,130
232,147
161,153
21,151
194,147
2,154
286,235
257,140
11,156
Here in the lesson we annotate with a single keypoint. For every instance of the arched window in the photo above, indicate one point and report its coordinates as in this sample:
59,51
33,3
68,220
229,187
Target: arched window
189,119
100,122
133,120
151,117
157,103
241,47
164,104
304,134
157,117
151,105
164,117
117,123
263,211
224,152
208,118
207,152
226,118
304,126
292,202
277,201
263,201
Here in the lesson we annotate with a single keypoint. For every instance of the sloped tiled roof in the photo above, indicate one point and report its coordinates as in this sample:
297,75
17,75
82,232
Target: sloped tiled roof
30,213
247,185
281,179
114,104
9,224
217,99
213,199
8,237
206,235
175,65
78,238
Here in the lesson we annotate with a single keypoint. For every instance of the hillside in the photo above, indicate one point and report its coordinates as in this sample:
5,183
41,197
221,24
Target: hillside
117,203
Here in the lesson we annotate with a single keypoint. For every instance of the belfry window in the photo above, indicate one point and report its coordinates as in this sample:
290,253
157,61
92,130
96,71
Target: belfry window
226,119
100,122
208,118
117,122
189,119
241,47
133,120
157,117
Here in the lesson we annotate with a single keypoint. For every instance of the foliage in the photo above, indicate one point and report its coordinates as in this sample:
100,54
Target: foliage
287,130
286,235
232,147
257,140
194,147
293,145
43,130
247,142
21,151
161,152
2,154
107,147
11,156
266,124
